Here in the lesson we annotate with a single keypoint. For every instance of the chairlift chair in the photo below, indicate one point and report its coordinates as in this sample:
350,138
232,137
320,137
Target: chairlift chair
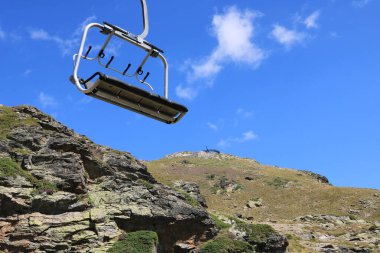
118,92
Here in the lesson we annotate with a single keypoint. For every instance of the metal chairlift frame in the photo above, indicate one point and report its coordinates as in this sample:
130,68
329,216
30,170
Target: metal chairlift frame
171,111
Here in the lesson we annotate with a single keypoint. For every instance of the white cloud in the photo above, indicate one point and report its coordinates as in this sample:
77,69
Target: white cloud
212,126
67,46
2,34
186,92
234,31
244,113
287,37
248,136
27,72
203,70
82,26
360,3
40,35
245,137
311,20
47,100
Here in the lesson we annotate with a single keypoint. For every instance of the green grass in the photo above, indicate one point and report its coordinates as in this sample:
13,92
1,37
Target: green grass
188,198
288,193
278,182
295,245
136,242
145,183
226,245
219,223
9,120
9,168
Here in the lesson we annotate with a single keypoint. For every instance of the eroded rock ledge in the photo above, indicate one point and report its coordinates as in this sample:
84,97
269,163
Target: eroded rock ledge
61,191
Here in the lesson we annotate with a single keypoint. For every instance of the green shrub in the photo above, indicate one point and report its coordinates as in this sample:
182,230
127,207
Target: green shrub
259,233
136,242
256,234
210,176
219,223
226,245
278,182
9,168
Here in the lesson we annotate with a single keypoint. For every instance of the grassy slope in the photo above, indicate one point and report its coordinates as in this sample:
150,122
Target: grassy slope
302,194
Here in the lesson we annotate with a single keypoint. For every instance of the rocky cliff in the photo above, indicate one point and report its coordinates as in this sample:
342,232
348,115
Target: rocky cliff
59,191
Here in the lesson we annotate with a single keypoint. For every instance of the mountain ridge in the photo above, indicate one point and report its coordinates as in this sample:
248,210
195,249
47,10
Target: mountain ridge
301,204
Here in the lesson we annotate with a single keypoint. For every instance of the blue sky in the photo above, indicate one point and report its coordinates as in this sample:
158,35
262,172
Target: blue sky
289,83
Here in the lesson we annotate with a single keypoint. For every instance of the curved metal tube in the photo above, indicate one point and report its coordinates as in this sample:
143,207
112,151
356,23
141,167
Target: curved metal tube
145,19
166,76
79,57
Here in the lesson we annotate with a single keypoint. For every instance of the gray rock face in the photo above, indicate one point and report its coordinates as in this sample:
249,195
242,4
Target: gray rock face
193,190
72,195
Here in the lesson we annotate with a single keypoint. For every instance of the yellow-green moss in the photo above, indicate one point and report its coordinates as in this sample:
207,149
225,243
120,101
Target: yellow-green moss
9,168
145,183
10,120
188,198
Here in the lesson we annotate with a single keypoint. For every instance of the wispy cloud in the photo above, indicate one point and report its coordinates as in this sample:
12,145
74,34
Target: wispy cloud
245,137
334,35
244,113
185,92
234,30
212,126
360,3
287,37
65,45
27,72
47,100
312,19
2,34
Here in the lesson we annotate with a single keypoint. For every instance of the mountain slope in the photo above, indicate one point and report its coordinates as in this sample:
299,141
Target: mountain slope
281,197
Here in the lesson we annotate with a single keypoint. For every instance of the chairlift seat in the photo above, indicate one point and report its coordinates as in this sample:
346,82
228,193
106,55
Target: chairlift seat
117,92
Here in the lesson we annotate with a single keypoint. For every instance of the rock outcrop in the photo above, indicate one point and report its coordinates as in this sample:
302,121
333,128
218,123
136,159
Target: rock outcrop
59,191
321,179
